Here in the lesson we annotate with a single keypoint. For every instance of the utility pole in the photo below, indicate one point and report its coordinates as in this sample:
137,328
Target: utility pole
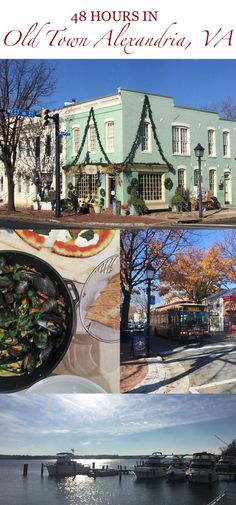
57,165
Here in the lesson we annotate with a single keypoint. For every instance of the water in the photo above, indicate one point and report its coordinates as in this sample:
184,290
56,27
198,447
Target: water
83,490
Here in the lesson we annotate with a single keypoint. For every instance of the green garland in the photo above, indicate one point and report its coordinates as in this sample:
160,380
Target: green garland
76,159
146,111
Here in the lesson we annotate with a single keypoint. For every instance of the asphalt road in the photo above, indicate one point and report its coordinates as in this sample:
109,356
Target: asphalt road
207,367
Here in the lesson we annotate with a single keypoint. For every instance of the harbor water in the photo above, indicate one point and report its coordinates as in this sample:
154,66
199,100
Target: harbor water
83,490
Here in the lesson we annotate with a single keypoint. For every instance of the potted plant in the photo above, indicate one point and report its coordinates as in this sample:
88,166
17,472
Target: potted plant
179,200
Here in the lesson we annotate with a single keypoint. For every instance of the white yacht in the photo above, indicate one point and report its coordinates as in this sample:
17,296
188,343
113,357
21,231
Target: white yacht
152,468
226,464
66,465
202,468
177,469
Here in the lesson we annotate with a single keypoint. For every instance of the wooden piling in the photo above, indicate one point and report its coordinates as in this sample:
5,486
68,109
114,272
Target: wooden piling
42,469
25,470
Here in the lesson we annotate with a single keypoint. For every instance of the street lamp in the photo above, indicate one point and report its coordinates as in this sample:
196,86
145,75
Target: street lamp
150,272
199,153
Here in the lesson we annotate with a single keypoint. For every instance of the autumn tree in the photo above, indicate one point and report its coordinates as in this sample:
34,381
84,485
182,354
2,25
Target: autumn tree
194,274
140,249
23,85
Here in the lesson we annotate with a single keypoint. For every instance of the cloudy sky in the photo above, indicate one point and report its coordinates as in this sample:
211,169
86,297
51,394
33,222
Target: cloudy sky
111,424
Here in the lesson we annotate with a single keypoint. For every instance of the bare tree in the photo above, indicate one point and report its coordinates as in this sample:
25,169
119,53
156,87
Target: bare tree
140,249
225,108
23,85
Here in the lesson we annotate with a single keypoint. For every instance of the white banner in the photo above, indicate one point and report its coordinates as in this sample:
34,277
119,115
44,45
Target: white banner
106,29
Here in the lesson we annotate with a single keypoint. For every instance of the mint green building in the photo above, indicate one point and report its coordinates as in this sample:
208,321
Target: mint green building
131,138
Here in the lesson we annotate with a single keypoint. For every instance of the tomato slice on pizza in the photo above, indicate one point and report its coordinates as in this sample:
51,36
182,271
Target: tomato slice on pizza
83,243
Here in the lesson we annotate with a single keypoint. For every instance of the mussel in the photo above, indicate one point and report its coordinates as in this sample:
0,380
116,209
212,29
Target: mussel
32,318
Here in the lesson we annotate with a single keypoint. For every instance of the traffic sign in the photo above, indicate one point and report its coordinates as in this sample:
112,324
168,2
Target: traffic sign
20,112
62,133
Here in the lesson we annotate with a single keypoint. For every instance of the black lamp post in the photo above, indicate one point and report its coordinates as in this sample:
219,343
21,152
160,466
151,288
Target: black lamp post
150,272
199,153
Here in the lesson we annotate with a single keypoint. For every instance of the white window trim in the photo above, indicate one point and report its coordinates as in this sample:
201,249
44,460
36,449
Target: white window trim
213,169
149,149
75,127
211,128
106,121
89,138
181,125
182,167
226,156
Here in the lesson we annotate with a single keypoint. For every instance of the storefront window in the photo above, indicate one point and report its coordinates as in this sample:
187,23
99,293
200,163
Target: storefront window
150,186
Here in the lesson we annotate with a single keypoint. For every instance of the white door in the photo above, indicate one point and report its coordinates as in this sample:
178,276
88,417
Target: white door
227,187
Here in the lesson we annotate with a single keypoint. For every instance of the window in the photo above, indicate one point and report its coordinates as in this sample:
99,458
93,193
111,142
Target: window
75,140
48,145
86,184
180,140
92,139
226,150
181,178
195,177
27,186
110,136
150,186
37,147
211,142
28,150
212,181
19,184
20,148
145,139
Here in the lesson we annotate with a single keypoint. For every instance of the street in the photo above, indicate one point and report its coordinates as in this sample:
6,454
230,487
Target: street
207,367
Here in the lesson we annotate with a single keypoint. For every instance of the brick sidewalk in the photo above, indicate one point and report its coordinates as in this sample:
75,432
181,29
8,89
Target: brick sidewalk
112,221
132,373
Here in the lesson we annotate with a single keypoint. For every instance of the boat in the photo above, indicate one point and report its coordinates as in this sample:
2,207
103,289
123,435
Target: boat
202,468
103,472
177,470
226,464
225,498
66,465
154,467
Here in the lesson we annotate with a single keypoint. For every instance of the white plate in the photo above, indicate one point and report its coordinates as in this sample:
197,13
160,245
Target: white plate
65,384
95,283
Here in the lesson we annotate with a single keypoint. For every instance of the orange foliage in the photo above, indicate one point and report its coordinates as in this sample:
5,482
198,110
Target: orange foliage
194,274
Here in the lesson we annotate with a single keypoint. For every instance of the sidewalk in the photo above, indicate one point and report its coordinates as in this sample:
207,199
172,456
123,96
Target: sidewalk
151,375
159,219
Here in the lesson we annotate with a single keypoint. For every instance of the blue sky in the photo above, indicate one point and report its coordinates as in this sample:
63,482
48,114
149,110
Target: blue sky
123,424
190,82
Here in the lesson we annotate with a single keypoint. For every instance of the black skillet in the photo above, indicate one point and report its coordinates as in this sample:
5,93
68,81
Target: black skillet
18,382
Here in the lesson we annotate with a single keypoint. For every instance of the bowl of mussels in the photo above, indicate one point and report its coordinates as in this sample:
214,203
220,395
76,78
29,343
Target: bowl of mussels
37,319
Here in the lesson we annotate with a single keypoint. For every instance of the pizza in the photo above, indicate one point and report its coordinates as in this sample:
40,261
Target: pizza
105,309
32,238
71,243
